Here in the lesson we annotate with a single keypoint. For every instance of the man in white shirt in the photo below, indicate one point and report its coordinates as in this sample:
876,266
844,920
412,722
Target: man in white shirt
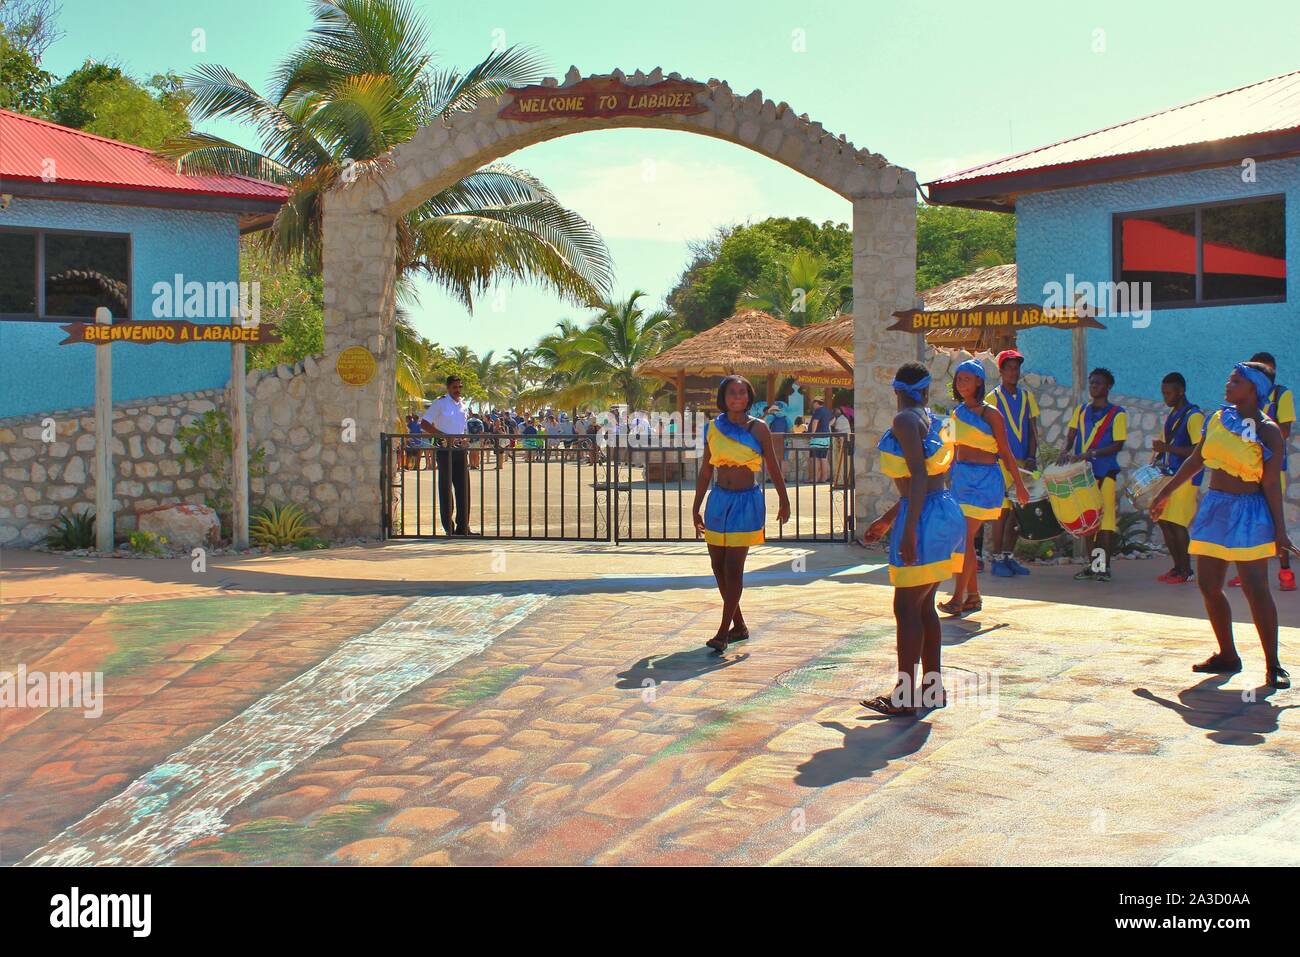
446,417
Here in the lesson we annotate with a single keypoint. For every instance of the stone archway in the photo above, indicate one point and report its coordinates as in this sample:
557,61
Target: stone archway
360,234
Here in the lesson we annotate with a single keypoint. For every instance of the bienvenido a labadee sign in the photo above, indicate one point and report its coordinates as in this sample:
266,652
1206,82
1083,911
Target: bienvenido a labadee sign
603,96
1004,316
168,331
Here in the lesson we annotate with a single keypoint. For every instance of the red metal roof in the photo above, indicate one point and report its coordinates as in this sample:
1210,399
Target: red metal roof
84,159
1264,109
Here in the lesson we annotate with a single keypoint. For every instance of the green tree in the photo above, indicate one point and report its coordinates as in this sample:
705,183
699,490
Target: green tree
291,298
952,242
101,99
737,258
360,85
24,86
623,336
800,293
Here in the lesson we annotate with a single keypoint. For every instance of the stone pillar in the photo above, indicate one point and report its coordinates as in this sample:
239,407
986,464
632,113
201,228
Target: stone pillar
360,276
884,281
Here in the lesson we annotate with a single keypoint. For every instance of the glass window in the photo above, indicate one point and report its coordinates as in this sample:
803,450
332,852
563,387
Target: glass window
83,272
1160,250
1244,251
1197,255
18,274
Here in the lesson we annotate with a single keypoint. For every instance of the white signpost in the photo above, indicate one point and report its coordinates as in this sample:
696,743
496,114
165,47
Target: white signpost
104,439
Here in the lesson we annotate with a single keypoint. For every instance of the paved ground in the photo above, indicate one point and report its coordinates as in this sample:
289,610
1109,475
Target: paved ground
544,702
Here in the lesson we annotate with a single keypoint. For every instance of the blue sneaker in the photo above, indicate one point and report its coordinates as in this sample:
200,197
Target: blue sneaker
1016,567
1002,568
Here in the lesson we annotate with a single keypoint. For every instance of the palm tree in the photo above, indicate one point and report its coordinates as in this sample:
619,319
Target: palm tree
800,293
568,381
617,341
361,84
519,371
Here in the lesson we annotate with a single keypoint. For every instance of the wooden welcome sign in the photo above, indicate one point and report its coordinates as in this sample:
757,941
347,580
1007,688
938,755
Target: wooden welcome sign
1009,316
603,96
171,331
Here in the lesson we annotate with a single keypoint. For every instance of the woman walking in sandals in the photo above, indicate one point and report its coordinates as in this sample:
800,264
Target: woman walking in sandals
926,542
1239,518
736,446
980,434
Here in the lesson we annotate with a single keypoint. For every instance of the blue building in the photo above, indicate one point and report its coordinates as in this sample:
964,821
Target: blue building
89,222
1181,228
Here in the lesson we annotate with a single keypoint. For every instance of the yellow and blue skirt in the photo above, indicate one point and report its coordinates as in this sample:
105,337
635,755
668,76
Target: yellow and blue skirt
940,542
979,489
1237,527
735,517
1180,509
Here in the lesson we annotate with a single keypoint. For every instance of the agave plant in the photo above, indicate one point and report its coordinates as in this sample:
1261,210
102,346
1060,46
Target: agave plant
362,83
72,531
279,526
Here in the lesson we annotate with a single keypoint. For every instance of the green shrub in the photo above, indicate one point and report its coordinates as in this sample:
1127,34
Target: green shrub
208,444
279,526
146,543
72,531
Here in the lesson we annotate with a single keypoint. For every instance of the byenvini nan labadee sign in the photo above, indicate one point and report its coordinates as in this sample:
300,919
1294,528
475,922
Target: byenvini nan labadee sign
1008,316
603,96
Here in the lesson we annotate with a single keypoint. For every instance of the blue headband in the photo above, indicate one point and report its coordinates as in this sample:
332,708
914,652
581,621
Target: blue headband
1260,381
913,390
973,366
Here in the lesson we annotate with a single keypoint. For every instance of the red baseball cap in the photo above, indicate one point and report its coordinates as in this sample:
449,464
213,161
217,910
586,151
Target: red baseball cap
1006,354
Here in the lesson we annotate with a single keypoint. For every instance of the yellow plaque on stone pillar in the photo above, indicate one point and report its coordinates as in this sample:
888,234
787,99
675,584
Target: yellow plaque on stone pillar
355,365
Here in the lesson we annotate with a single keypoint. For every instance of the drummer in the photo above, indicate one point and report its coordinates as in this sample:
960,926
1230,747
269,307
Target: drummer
1019,409
1096,434
980,435
1240,518
1182,433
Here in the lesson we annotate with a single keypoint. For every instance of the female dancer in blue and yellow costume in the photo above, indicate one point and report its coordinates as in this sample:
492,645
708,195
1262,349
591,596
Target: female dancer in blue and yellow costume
1239,518
736,446
926,543
978,484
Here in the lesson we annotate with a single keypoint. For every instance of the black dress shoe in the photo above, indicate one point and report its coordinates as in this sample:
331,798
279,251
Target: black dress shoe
1278,677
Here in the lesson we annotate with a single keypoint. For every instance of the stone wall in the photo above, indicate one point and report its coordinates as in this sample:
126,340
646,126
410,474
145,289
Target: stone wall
298,414
40,479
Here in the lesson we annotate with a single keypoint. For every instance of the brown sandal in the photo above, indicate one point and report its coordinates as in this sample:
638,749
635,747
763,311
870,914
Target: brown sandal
951,607
885,706
718,643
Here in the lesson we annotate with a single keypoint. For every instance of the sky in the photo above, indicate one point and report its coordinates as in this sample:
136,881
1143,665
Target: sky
933,85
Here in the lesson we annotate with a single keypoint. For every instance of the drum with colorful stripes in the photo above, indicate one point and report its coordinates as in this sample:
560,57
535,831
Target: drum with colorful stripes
1075,498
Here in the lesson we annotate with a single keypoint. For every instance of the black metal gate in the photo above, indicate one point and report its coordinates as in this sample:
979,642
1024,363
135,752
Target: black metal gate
579,488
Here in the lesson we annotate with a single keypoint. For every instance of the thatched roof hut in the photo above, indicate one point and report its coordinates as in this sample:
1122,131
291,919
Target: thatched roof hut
993,285
750,343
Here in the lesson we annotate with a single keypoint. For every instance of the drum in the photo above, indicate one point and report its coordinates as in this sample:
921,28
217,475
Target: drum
1075,498
1146,485
1036,520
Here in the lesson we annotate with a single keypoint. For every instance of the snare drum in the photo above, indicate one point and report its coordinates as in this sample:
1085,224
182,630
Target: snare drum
1146,485
1036,520
1075,498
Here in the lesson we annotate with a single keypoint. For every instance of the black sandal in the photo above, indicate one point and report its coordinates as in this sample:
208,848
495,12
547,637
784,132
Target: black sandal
1218,664
718,643
1278,677
885,706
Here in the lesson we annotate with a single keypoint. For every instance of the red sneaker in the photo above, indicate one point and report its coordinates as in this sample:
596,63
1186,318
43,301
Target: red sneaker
1286,580
1167,575
1176,579
1235,583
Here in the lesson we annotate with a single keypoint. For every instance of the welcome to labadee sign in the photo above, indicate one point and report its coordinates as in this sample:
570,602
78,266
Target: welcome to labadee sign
1018,315
603,97
170,331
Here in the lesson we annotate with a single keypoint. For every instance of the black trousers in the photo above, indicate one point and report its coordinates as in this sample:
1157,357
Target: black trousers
453,470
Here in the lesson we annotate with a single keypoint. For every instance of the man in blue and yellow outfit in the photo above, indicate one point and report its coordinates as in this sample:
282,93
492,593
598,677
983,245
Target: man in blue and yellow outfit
1097,433
1182,433
1020,410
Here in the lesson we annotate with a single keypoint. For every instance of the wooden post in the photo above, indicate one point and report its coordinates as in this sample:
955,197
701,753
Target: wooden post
1079,362
681,395
104,439
239,451
771,387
